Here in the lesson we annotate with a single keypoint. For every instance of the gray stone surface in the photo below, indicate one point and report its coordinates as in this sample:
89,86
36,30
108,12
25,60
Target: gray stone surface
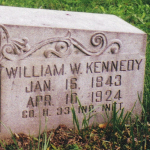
46,55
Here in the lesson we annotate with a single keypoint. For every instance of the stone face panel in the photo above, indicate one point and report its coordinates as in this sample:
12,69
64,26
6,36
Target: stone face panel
45,68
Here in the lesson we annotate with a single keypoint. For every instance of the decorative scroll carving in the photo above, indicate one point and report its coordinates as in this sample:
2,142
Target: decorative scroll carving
63,46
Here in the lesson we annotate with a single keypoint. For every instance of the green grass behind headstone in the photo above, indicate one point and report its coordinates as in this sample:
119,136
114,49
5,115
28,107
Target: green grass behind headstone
137,13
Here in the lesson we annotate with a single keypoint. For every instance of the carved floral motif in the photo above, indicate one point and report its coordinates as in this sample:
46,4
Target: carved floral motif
63,46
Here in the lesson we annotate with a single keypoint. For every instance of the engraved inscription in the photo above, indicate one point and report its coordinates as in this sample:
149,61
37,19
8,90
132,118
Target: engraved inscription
113,66
42,71
104,86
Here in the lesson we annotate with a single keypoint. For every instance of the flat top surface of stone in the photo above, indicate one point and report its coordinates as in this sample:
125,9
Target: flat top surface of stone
64,19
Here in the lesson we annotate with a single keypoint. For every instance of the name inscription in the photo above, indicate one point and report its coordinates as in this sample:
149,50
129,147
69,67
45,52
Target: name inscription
102,87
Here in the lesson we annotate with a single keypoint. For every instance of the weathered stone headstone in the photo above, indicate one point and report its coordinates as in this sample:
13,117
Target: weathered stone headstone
46,56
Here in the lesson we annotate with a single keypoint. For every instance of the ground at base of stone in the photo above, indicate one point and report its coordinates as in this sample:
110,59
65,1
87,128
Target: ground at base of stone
64,138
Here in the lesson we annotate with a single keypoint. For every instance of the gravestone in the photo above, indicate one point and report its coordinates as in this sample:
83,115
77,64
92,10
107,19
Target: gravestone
49,59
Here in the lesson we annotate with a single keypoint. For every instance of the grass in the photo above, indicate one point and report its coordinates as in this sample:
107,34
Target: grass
116,134
85,121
